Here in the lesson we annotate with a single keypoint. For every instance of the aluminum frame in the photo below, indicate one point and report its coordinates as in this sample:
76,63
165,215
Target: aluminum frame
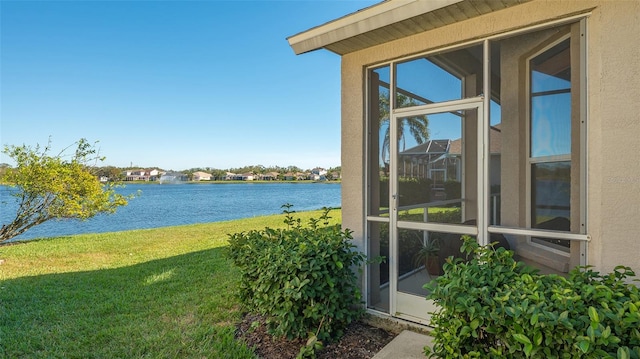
483,228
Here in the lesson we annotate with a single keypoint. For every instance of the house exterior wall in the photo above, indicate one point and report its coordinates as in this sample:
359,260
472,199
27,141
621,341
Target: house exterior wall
201,176
613,110
353,156
614,132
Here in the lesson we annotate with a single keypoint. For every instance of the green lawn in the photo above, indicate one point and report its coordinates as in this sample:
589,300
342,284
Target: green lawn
435,214
158,293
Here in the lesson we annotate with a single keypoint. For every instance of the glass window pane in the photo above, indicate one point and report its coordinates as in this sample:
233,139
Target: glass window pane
495,137
534,181
495,156
551,125
551,102
378,142
419,259
378,273
547,262
551,198
432,157
438,78
551,70
422,254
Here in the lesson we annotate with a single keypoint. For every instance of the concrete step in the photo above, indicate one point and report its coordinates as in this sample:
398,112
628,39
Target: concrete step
407,345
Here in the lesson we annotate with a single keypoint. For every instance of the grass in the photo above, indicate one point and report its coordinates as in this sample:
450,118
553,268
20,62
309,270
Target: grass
158,293
435,214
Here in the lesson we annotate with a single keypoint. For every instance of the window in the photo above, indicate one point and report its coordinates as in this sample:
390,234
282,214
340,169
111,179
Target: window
517,170
550,142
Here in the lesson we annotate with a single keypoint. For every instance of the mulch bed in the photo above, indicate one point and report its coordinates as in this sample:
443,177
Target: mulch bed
361,341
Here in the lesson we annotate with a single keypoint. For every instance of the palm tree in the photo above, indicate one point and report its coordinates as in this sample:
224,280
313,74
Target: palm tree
417,126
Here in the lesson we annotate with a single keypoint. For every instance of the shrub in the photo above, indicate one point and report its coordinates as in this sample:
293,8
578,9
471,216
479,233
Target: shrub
300,278
453,189
493,306
448,215
412,191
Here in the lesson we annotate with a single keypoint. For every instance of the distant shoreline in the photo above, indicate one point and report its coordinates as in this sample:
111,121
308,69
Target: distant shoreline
2,183
234,182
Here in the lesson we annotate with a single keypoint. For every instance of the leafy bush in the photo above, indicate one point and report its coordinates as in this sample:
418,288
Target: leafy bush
453,189
493,306
300,278
412,191
449,215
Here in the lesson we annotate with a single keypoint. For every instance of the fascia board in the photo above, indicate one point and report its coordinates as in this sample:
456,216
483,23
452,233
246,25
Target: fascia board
368,19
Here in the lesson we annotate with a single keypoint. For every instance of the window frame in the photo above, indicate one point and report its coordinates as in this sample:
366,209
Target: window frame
581,236
531,160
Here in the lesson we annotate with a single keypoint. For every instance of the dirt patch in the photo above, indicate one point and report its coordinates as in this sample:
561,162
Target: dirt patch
361,341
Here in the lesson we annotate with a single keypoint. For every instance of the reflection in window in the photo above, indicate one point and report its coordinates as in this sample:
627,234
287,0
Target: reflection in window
430,173
551,124
379,141
551,102
551,197
551,142
438,78
421,82
551,200
378,273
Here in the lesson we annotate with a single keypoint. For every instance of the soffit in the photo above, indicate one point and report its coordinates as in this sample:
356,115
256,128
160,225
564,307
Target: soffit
391,20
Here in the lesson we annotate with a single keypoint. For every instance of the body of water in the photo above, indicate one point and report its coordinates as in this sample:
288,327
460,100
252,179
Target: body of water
178,204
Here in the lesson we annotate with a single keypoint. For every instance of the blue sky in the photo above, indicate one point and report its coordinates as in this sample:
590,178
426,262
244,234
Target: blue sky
173,84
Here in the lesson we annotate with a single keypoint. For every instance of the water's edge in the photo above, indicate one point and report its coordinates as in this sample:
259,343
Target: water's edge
180,204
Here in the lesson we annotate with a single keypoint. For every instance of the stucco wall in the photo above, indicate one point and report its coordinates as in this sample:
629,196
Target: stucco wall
353,149
613,72
614,135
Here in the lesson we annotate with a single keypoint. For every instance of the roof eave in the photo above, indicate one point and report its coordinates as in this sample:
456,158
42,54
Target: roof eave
365,20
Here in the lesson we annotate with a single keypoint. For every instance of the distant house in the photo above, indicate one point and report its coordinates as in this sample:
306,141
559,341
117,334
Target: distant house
173,177
271,176
495,146
230,176
136,175
441,160
298,176
318,174
202,176
248,176
141,175
154,174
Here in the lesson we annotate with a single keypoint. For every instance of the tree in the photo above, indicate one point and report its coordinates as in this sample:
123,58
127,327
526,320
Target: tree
111,173
294,169
219,174
4,168
418,126
48,187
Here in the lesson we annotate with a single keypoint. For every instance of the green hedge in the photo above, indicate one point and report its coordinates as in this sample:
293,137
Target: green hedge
412,191
453,189
494,307
301,279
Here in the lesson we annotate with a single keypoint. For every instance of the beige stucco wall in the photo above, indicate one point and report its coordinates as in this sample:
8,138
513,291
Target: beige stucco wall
614,135
613,72
353,150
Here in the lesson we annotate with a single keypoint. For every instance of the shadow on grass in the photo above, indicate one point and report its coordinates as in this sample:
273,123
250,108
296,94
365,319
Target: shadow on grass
177,307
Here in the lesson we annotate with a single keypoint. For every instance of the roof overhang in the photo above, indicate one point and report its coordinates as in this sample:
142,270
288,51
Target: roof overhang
388,21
